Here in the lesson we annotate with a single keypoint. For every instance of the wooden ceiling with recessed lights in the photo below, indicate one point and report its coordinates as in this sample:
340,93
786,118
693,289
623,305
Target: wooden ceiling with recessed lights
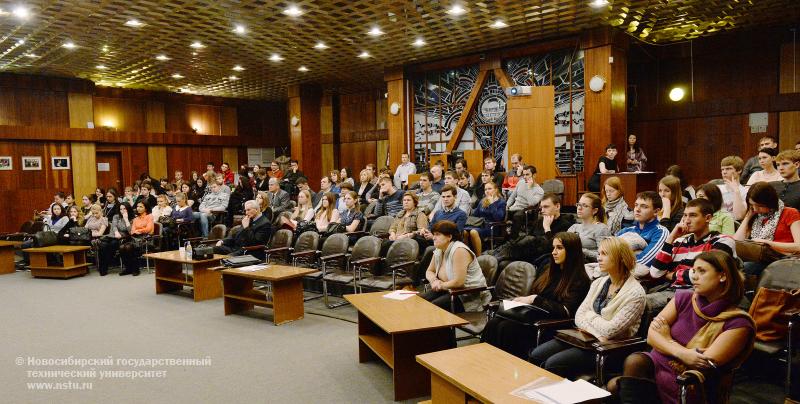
126,53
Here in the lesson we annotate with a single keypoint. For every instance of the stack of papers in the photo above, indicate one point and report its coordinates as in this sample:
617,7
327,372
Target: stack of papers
400,294
560,392
253,268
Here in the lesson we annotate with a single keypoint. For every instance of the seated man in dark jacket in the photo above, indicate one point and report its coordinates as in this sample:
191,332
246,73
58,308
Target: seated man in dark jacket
256,230
536,246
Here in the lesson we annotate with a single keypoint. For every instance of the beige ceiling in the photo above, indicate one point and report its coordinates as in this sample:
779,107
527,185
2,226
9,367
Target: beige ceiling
98,30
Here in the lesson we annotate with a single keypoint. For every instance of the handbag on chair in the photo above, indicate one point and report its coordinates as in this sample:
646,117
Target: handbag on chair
767,308
752,251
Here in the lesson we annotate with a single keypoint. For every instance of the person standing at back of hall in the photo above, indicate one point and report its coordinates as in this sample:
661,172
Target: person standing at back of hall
635,158
606,165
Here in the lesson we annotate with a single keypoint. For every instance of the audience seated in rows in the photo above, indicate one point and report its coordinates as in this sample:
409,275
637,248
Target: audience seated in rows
722,221
591,227
256,230
615,206
647,226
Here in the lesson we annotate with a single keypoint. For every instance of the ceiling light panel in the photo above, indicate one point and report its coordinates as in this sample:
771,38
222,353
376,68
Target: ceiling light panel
326,37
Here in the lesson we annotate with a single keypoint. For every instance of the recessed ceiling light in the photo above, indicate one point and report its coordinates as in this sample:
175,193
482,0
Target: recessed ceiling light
293,11
239,29
499,24
21,12
238,68
197,45
134,23
69,45
599,3
419,43
101,67
105,48
233,78
162,57
364,55
302,69
177,76
275,57
134,71
31,55
320,45
194,53
375,31
456,9
20,42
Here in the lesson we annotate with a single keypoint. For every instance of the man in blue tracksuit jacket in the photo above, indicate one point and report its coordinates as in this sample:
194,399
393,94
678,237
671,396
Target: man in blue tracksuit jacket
645,213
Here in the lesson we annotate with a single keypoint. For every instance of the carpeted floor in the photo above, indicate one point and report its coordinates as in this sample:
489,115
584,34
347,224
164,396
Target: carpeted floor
313,360
238,358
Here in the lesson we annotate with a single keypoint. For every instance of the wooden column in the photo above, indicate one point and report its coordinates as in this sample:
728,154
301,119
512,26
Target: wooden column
789,121
606,119
84,167
400,138
304,106
531,132
329,149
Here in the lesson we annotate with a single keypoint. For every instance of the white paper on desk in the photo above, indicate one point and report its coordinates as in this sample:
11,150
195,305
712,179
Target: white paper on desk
510,304
567,392
399,295
253,268
528,391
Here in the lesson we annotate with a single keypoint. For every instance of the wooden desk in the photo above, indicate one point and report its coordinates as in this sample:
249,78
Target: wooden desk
632,184
7,256
287,291
478,372
207,284
73,261
395,331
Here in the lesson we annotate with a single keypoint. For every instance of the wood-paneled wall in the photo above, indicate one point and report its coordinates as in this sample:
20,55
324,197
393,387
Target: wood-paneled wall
362,120
23,191
29,107
730,82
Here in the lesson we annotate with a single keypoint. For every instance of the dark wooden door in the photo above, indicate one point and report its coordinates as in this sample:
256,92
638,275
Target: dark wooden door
109,170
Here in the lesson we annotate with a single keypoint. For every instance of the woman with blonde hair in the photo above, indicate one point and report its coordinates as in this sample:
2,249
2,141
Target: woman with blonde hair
162,208
612,310
669,189
303,212
614,204
263,200
96,222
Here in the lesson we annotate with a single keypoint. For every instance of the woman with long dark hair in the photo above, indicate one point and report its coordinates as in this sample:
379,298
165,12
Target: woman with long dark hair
770,222
636,159
111,207
120,230
556,293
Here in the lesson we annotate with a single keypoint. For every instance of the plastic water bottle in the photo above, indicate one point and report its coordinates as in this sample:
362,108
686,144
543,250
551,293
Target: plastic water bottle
188,250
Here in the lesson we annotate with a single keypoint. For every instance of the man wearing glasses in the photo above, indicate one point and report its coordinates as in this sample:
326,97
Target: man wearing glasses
788,189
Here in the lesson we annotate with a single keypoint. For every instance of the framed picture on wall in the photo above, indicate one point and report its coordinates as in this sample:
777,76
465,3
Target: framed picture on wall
6,163
60,163
31,163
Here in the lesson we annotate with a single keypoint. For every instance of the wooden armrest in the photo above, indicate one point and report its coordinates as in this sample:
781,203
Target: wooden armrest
193,239
356,233
218,212
555,324
330,257
466,291
304,253
366,261
255,248
611,346
384,236
402,265
687,379
277,249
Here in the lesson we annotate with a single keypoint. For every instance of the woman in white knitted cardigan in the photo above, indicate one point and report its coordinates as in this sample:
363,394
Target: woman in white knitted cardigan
612,310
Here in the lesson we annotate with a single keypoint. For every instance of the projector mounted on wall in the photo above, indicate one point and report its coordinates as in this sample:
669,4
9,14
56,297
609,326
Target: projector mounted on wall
518,90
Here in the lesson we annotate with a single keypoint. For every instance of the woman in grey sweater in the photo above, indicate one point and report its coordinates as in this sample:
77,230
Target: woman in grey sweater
592,228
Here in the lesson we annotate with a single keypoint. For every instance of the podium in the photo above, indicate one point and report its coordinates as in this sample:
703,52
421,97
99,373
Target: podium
632,184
